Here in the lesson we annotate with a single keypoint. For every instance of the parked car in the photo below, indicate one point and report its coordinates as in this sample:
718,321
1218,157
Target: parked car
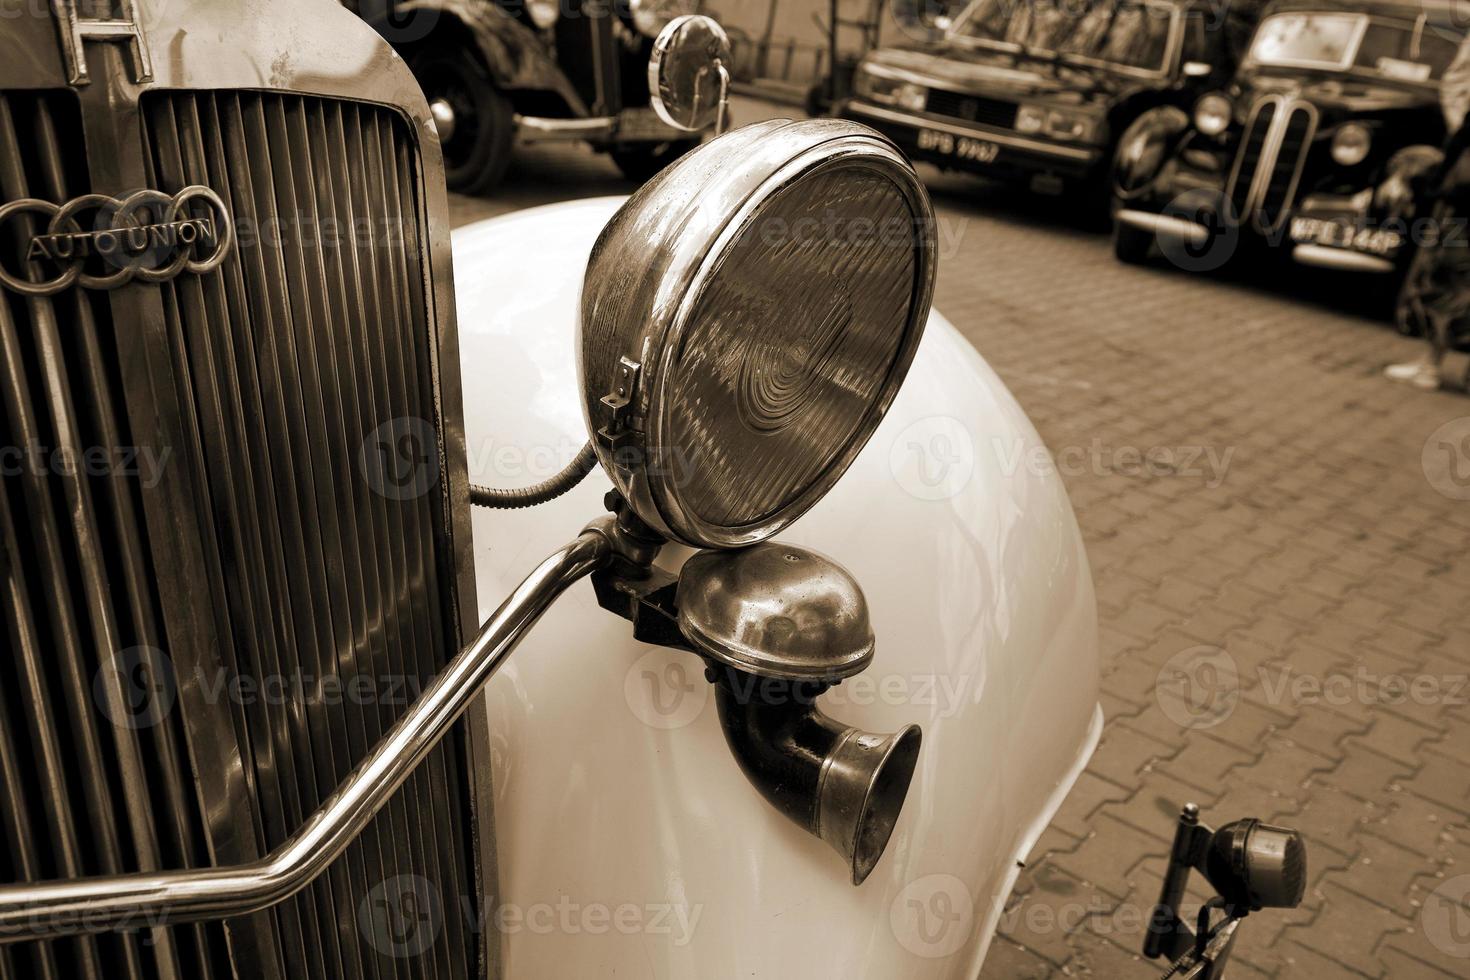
502,72
1040,94
244,413
1314,149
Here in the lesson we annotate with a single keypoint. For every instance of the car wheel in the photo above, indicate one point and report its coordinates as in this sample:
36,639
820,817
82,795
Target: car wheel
476,124
1132,245
640,161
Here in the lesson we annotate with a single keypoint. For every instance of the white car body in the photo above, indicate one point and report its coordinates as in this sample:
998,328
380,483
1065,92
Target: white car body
629,843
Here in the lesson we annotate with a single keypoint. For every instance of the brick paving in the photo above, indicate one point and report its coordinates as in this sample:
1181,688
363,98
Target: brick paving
1283,592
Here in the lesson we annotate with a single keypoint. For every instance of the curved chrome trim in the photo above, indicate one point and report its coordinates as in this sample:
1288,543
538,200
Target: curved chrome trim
45,910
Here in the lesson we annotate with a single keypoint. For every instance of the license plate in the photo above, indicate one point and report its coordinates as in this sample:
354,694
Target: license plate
644,124
963,147
1341,233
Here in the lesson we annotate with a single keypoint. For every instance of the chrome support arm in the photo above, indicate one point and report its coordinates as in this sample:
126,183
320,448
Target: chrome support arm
45,910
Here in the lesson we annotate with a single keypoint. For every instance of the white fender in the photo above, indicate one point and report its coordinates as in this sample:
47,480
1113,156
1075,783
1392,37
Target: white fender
629,843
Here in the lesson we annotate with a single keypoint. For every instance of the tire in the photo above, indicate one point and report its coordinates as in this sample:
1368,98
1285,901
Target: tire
1132,245
478,150
640,161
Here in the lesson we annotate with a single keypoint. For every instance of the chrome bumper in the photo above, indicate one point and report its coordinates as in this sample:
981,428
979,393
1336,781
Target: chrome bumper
46,910
1342,259
631,125
1163,224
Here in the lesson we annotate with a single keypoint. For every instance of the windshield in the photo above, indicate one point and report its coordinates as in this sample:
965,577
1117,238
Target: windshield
1124,33
1356,42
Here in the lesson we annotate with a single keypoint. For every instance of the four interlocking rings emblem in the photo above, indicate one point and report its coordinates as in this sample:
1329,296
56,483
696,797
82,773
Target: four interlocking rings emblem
149,235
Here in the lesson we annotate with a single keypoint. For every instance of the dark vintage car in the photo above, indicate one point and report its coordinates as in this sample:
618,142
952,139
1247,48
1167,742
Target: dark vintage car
499,72
1316,147
1036,92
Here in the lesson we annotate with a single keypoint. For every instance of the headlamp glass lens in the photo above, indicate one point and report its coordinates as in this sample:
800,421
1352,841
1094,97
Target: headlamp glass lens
788,345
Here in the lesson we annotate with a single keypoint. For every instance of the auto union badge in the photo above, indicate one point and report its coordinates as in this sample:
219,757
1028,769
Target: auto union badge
101,242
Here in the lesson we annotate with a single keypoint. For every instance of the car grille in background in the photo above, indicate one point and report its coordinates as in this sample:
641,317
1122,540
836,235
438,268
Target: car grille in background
987,112
1269,163
286,363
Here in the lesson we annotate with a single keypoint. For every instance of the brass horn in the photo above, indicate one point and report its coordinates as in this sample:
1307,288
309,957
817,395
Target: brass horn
779,626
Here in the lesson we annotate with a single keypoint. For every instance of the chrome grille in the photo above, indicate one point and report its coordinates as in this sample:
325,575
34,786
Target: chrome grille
1268,166
311,346
974,108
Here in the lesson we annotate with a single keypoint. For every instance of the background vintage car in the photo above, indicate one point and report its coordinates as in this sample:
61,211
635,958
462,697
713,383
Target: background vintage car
500,71
1040,97
1317,146
613,784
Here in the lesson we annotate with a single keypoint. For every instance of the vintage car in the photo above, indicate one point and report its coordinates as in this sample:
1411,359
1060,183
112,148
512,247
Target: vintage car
1040,93
249,617
1315,148
502,72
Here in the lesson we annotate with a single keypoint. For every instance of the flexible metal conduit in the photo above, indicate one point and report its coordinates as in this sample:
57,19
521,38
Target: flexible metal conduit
45,910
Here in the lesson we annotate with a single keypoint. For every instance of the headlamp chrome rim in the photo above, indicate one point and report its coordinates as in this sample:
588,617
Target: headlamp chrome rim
1351,144
776,155
1213,124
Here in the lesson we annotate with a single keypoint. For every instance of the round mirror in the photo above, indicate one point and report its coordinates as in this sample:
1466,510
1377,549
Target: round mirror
685,71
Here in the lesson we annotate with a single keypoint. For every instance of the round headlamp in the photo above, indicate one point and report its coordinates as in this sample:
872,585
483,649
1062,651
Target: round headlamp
1212,114
747,318
1351,143
650,16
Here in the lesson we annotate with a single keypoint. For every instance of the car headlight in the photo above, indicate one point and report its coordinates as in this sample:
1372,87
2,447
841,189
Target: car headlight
746,320
1351,143
1062,124
650,16
1212,114
1030,119
890,91
543,13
